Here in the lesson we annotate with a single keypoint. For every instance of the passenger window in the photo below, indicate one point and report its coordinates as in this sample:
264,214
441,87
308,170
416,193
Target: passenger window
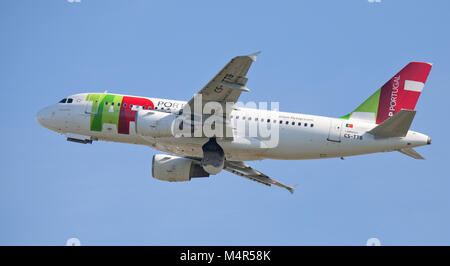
118,104
143,107
124,105
131,106
70,100
256,119
268,120
63,100
312,125
156,108
243,118
231,116
237,117
293,123
306,124
262,119
106,103
281,121
287,122
249,118
274,121
112,103
299,123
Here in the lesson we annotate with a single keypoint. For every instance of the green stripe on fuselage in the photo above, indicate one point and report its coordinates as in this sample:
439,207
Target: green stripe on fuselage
104,113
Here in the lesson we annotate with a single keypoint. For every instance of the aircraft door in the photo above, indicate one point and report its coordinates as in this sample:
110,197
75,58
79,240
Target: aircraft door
335,130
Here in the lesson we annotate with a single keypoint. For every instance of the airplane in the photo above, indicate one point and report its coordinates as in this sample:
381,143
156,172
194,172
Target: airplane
380,124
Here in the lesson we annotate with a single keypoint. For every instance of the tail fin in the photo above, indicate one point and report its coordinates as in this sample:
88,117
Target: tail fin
401,92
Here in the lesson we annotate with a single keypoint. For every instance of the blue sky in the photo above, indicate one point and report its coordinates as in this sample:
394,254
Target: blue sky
318,57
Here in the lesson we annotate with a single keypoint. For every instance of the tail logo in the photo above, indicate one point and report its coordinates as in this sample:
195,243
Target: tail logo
394,95
400,92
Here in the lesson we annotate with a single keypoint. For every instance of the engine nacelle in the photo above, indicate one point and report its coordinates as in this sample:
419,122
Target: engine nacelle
154,124
175,169
213,157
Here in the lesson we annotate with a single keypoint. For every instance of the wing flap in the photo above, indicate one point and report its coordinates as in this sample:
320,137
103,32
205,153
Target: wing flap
241,169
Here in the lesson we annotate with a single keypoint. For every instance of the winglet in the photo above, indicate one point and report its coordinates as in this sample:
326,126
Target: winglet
254,56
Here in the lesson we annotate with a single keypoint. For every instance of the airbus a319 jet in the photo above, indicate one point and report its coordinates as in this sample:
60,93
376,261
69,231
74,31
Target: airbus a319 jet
213,132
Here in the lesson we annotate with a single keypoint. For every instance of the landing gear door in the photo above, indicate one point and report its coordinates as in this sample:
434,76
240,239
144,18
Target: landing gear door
335,130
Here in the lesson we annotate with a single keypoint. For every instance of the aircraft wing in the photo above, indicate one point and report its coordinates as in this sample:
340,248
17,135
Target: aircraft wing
228,84
225,87
241,169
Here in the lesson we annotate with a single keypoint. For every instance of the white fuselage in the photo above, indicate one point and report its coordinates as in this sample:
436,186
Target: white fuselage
303,137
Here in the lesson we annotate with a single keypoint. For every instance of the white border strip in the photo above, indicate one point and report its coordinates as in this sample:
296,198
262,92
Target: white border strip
411,85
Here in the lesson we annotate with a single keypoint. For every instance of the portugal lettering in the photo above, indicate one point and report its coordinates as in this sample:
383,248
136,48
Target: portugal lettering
394,95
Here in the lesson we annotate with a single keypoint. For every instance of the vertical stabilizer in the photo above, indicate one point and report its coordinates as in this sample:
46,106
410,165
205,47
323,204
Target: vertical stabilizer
401,92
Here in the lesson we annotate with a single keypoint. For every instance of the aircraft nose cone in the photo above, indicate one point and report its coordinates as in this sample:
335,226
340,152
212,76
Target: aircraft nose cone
39,117
429,141
43,117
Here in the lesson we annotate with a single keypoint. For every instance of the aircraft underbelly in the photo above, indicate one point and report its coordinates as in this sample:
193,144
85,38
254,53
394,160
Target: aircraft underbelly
193,147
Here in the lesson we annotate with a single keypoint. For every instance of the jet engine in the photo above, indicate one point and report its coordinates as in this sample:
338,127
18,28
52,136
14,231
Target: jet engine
213,157
175,169
154,124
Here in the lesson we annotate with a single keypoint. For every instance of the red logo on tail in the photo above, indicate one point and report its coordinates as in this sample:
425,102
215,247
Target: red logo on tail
403,90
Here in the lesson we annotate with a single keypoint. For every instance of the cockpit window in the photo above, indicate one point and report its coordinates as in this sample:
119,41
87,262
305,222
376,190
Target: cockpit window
63,100
70,100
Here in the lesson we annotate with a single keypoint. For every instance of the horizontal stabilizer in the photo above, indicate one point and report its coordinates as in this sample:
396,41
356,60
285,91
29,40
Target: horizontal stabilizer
411,153
396,126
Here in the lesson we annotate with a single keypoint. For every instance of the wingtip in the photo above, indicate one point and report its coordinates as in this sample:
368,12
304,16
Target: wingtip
254,56
292,188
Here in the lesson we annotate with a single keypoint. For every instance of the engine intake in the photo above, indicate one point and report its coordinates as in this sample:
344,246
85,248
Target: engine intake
175,169
213,157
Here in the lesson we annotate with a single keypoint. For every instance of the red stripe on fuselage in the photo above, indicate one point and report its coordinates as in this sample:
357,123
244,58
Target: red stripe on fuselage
128,115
